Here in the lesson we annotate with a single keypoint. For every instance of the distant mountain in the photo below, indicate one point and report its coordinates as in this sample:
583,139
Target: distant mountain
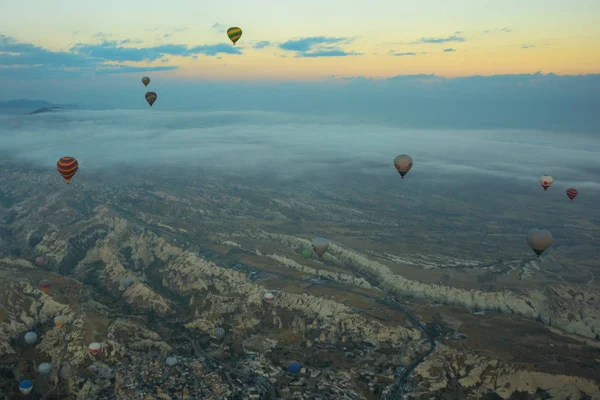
21,105
45,110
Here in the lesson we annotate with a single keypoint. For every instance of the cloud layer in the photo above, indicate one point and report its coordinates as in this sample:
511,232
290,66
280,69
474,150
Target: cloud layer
318,46
23,59
292,146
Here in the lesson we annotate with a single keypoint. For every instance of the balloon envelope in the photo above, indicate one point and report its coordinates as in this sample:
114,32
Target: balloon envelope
45,285
31,337
171,361
39,260
546,181
126,281
539,240
94,348
45,368
306,253
67,167
403,164
269,297
234,34
571,193
219,332
25,387
294,368
145,81
151,98
320,245
59,321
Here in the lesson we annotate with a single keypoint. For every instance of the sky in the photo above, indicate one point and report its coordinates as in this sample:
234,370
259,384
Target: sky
293,55
294,146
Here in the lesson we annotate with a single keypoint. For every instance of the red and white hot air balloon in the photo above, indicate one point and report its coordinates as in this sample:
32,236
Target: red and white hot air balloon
95,348
269,297
39,260
546,181
571,193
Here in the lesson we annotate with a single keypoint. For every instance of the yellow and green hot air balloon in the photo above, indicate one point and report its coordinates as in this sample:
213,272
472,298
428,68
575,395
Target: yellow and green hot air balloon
234,34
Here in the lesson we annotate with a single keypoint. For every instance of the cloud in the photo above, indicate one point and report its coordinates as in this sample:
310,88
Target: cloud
262,45
32,60
533,101
527,46
219,27
102,34
503,30
167,35
406,53
255,145
449,50
448,39
318,46
308,43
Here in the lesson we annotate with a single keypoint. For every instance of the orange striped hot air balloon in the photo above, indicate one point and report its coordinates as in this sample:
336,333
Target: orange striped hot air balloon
571,193
67,167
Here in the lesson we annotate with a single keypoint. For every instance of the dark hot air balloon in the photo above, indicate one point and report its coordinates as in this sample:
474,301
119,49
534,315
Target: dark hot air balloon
320,246
234,34
571,193
145,81
151,98
403,164
67,167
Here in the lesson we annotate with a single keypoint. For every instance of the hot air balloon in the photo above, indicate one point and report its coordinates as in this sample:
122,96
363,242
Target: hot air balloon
546,181
94,348
59,321
294,368
269,297
67,167
539,240
571,193
320,245
45,285
25,387
306,253
30,337
39,260
127,281
172,360
219,333
45,368
145,81
234,34
151,98
403,164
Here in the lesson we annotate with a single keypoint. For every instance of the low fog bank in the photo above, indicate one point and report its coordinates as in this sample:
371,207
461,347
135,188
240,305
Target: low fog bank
298,148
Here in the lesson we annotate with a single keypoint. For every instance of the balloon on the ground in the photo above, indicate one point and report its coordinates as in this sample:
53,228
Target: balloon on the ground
59,321
94,348
25,386
269,297
294,368
171,361
219,332
39,260
127,281
45,368
31,337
